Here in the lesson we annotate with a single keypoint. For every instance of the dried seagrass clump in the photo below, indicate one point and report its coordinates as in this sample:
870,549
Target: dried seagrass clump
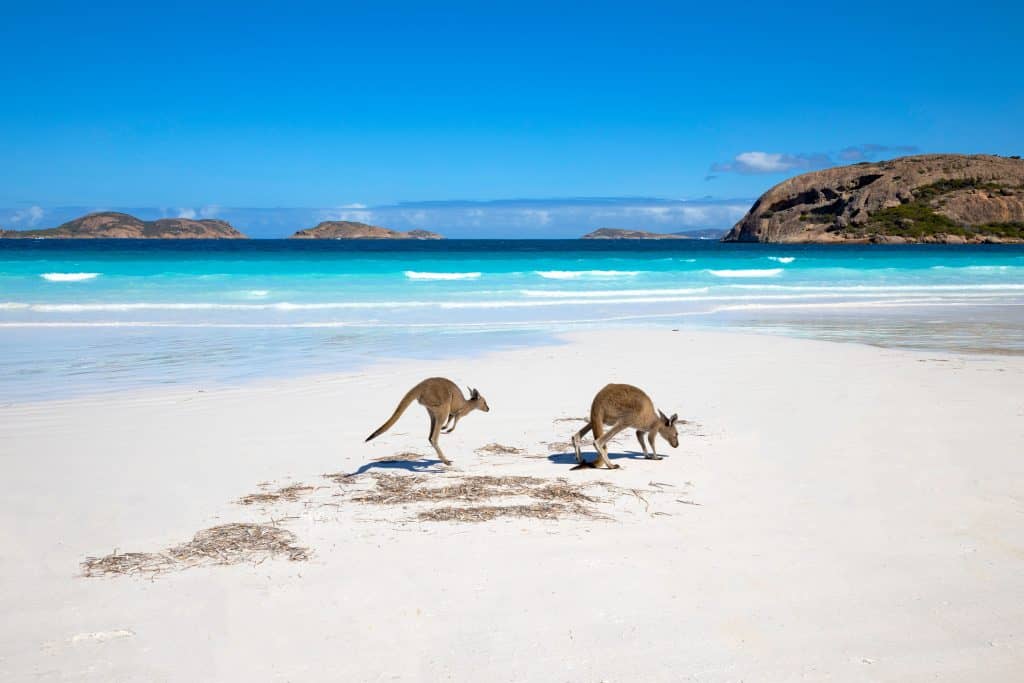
226,544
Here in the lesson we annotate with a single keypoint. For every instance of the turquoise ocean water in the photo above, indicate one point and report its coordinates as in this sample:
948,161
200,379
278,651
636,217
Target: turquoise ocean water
81,317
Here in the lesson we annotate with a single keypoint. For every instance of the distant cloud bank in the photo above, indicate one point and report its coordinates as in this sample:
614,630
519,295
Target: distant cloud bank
781,162
26,218
511,218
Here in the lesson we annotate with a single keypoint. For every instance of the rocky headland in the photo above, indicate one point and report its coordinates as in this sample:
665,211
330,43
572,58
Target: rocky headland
620,234
933,198
114,225
351,230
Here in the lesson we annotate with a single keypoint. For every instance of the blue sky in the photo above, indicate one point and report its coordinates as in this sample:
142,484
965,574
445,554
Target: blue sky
328,106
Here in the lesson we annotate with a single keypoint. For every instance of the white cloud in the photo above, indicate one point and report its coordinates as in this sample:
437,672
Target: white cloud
209,211
416,218
537,216
771,162
667,216
763,162
348,212
780,162
28,217
186,213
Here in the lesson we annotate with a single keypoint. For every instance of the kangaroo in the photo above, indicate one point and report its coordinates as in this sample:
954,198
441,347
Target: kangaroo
444,403
620,406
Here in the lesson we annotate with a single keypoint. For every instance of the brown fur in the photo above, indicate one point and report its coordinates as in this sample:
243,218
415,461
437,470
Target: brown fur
445,405
622,406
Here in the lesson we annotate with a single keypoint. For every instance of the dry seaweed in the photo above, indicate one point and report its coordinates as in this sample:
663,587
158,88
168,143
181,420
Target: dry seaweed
225,544
406,456
498,449
340,477
553,497
484,513
127,563
288,494
238,542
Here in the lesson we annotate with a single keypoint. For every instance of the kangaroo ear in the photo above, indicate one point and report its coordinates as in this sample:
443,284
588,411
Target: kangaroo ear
473,393
663,417
674,418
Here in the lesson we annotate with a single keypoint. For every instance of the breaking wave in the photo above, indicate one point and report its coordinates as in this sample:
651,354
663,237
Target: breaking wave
416,275
588,274
749,272
69,277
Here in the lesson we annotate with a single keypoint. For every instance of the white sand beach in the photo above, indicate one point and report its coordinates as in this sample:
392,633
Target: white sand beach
834,512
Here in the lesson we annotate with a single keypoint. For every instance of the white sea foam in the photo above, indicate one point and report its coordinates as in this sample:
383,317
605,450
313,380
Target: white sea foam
539,298
884,288
257,293
782,259
203,306
977,269
889,303
416,275
749,272
591,294
68,277
590,274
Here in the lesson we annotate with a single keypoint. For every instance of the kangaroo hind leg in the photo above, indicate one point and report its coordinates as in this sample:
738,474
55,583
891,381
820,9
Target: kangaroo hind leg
577,440
601,443
436,417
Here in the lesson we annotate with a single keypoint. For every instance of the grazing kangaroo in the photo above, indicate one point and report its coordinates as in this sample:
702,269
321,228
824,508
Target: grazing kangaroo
620,406
444,403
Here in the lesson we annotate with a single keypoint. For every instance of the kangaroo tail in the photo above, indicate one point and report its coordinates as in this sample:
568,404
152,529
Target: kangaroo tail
402,405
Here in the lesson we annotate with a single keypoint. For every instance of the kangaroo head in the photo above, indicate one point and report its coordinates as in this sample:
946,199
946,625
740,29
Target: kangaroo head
667,428
478,401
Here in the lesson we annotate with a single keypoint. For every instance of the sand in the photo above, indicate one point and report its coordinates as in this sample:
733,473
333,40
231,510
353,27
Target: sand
834,512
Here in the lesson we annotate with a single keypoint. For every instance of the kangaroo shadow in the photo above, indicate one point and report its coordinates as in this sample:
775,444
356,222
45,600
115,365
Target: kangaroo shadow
590,457
421,465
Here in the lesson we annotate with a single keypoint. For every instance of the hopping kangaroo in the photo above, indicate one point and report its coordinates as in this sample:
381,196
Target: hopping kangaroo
444,403
621,406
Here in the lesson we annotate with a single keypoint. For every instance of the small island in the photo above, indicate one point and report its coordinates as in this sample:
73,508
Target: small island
352,230
115,225
621,234
931,198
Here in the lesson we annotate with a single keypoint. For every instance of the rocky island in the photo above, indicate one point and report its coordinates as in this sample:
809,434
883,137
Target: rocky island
351,230
114,225
932,198
620,234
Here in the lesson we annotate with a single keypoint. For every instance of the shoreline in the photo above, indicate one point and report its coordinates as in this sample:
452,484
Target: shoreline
544,339
834,511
